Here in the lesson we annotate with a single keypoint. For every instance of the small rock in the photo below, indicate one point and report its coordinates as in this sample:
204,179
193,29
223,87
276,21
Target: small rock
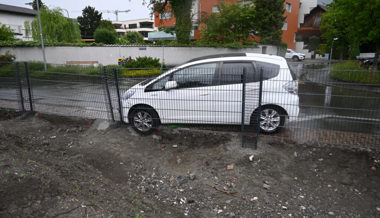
266,186
303,207
156,137
232,214
220,211
230,167
179,161
331,213
295,154
228,201
373,168
192,176
53,137
254,199
311,207
175,146
251,158
284,208
320,159
378,208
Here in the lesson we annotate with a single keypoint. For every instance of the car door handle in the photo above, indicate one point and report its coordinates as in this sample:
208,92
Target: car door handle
204,94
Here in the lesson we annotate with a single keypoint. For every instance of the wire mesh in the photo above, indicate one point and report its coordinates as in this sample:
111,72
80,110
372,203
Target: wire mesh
305,102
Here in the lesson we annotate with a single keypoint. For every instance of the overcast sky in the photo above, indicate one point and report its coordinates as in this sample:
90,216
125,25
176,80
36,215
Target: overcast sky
75,7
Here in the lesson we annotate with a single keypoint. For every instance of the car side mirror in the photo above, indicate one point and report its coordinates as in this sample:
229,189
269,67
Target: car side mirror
170,85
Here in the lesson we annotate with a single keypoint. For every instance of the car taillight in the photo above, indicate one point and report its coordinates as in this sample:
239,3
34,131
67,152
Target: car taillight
291,87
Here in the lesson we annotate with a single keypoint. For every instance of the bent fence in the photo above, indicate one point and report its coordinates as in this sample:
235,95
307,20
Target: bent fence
228,98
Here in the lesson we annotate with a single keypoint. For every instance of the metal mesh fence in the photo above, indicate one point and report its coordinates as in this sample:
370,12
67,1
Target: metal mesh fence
303,104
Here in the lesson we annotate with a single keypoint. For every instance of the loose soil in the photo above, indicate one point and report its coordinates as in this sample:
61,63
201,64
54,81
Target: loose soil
53,166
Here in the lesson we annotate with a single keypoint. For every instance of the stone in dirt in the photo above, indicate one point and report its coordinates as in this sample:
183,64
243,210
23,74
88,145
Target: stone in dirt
175,146
251,158
230,167
266,186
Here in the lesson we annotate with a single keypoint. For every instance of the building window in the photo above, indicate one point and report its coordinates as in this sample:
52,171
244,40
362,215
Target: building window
166,15
132,26
317,22
285,27
215,9
288,7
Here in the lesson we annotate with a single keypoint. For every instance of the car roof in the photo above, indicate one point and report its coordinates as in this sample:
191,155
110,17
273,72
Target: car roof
217,56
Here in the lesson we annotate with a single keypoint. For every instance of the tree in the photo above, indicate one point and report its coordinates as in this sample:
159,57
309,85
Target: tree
89,21
55,27
182,13
270,20
234,23
6,33
40,3
104,36
353,23
133,37
106,24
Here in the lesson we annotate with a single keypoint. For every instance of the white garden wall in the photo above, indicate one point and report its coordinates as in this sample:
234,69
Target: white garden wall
109,54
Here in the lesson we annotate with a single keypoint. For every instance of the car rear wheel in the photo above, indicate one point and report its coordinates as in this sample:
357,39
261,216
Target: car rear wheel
272,119
144,120
295,58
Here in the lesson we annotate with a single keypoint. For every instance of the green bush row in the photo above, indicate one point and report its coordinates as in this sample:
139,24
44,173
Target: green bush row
351,71
36,70
142,62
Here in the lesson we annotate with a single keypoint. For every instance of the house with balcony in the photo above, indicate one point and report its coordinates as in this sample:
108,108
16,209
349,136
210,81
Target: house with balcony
143,26
15,18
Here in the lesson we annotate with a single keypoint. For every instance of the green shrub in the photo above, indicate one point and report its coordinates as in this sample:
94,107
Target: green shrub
6,33
133,37
138,73
7,70
7,58
104,36
351,71
142,62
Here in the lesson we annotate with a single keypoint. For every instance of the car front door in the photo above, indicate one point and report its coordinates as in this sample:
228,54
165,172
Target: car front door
192,100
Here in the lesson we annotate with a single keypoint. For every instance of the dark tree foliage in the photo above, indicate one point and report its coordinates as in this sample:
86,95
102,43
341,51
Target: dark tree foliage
270,20
89,21
104,36
106,24
182,13
134,37
40,3
235,22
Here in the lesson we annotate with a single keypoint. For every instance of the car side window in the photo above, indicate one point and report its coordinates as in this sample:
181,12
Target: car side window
158,85
195,76
231,73
269,70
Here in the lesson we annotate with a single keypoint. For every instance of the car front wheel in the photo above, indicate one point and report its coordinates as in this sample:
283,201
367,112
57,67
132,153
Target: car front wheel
144,120
271,120
295,58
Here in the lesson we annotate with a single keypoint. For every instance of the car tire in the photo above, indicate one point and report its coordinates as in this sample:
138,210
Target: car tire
295,58
272,119
144,120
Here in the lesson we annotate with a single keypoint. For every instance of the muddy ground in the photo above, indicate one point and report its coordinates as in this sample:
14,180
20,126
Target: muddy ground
55,166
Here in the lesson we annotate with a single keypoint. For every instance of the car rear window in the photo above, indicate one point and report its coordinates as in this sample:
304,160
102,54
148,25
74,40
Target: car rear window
269,70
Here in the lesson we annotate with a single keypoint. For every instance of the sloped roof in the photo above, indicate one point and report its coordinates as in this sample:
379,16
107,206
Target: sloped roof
17,10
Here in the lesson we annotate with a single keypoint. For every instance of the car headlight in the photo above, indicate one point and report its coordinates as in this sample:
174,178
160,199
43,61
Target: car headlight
128,94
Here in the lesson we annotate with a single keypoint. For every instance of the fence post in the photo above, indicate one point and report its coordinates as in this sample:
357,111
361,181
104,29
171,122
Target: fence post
243,78
115,71
105,78
259,108
29,86
18,77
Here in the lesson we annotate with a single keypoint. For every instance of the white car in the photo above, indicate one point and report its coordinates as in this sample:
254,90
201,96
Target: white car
208,90
295,56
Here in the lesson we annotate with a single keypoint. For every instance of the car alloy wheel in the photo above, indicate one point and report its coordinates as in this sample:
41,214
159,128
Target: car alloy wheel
143,120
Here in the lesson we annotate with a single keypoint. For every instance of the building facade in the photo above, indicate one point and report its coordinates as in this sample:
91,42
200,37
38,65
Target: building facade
15,18
143,26
201,7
